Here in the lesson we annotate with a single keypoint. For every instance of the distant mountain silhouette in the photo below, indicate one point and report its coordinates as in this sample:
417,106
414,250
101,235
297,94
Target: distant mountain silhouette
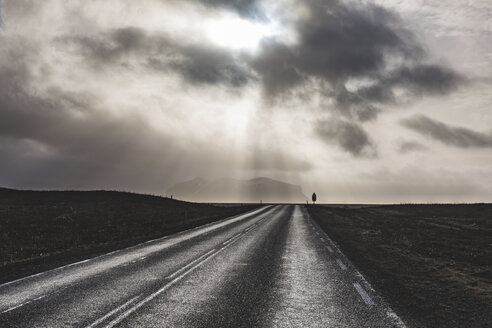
237,191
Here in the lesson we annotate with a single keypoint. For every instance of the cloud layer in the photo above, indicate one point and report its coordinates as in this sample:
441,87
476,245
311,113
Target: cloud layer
349,136
367,45
449,135
133,95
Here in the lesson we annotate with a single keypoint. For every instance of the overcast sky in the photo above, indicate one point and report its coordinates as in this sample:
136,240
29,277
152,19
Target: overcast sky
360,101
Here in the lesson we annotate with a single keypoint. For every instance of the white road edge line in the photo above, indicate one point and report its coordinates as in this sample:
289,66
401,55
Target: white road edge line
15,307
341,265
332,243
367,299
98,321
25,303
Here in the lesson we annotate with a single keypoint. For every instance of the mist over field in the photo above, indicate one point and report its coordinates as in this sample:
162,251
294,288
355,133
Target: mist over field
258,190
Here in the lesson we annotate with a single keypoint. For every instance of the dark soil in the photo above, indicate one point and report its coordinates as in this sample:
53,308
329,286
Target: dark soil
432,262
40,230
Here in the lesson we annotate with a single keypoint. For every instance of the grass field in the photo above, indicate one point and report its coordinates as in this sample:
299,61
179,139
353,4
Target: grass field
434,262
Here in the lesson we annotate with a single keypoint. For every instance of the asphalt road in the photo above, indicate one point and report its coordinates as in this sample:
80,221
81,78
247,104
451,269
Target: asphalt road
272,267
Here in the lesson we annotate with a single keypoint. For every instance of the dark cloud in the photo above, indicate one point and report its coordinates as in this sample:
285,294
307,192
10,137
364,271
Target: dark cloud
340,42
426,79
379,92
276,68
337,41
411,146
447,134
348,135
363,44
245,8
198,64
110,47
416,80
206,66
352,105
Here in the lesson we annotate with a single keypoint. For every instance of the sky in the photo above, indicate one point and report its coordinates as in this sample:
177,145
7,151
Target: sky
383,101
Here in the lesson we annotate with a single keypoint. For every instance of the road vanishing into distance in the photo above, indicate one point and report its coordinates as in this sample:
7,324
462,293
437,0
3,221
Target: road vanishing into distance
272,267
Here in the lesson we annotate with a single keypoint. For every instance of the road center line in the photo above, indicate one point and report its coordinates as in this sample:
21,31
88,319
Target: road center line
189,264
25,303
367,299
329,249
341,265
160,291
178,276
98,321
231,239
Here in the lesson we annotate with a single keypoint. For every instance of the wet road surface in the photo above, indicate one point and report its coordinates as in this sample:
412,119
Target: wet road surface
272,267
